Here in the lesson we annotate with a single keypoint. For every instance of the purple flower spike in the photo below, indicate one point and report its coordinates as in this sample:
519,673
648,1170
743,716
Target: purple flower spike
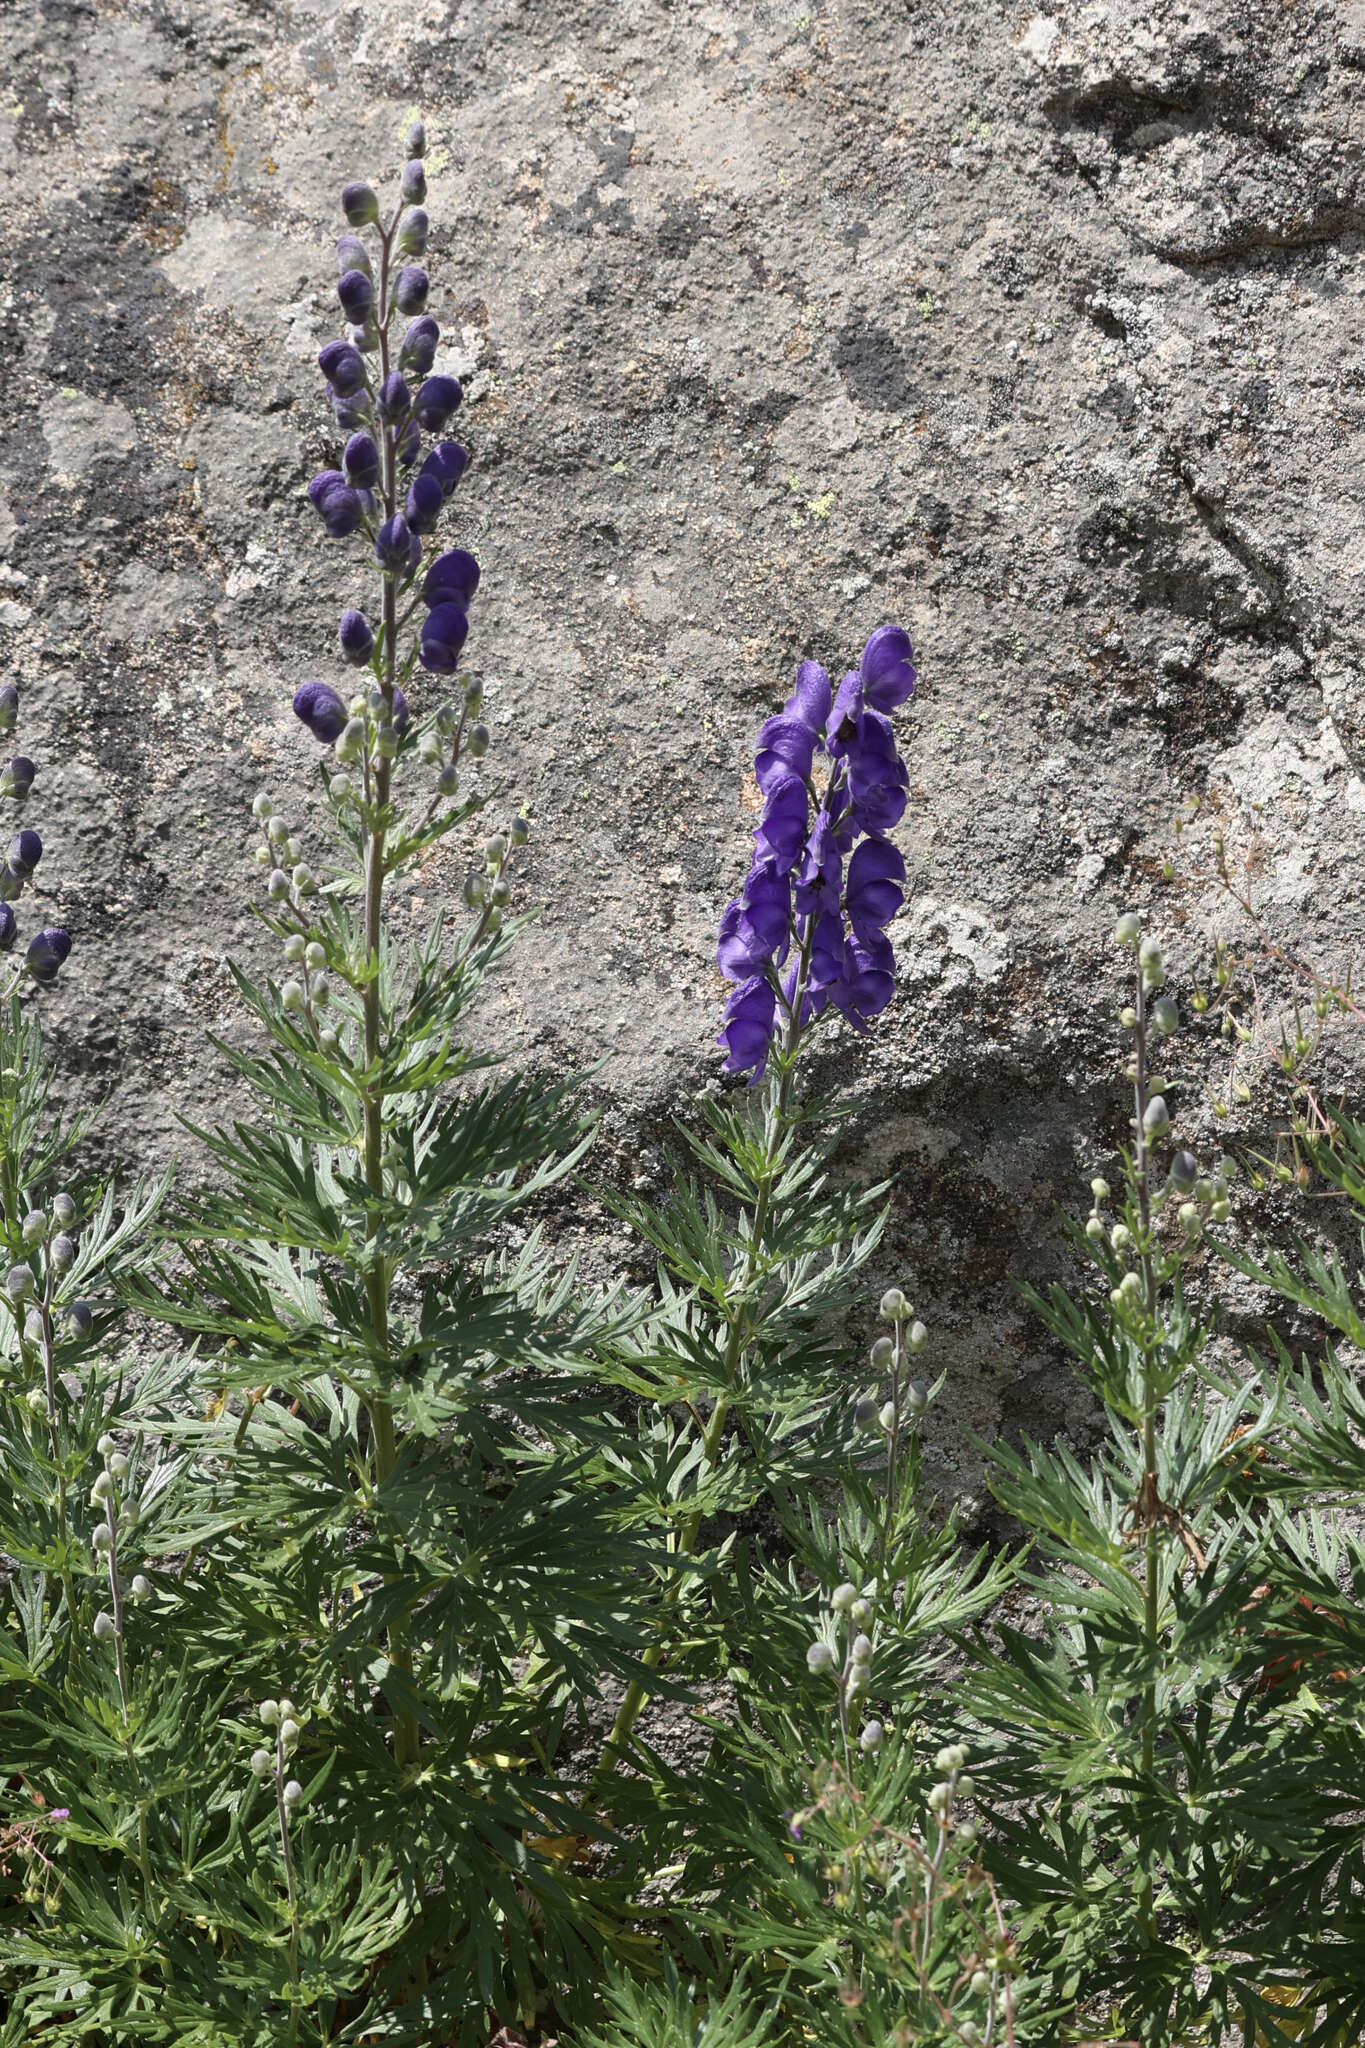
413,184
447,462
786,746
344,368
874,893
391,545
25,852
360,460
395,400
356,294
16,777
887,669
452,579
9,927
424,504
410,292
750,1017
418,352
444,632
360,204
436,401
356,637
46,952
321,710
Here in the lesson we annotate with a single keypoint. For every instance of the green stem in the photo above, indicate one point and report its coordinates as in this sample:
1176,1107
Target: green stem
1151,1543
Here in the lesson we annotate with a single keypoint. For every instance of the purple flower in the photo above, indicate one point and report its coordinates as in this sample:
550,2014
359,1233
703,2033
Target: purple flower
394,401
321,710
356,294
424,503
415,141
447,462
781,833
418,352
357,639
877,780
809,701
749,1021
868,981
820,874
740,952
410,291
353,255
16,777
342,364
874,893
400,710
826,950
786,746
452,579
360,204
413,230
46,952
335,502
887,669
392,544
60,1813
9,927
444,631
436,401
413,184
25,852
350,413
360,460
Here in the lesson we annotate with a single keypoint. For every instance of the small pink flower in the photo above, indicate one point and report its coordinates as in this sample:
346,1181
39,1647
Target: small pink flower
60,1813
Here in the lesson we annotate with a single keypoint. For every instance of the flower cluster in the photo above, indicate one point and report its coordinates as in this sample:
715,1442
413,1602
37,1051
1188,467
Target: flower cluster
809,930
47,949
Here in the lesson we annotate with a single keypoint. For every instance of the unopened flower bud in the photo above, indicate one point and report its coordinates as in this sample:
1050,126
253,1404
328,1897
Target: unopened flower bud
61,1253
329,1040
887,1415
277,888
16,777
1128,930
1165,1016
1130,1287
965,1787
1156,1118
290,851
475,890
446,720
1152,964
1128,1017
883,1352
9,707
980,1984
295,946
865,1413
64,1210
492,918
870,1741
861,1650
103,1487
413,184
1189,1217
843,1597
413,230
261,856
104,1628
262,1763
430,750
19,1283
1184,1173
940,1797
360,204
304,880
141,1588
856,1683
1221,1210
351,744
519,831
289,1733
476,740
1100,1190
819,1658
292,996
35,1227
80,1319
107,1445
1094,1228
269,1713
966,1834
293,1792
34,1328
916,1337
916,1398
448,781
951,1757
861,1613
894,1307
101,1537
501,892
494,849
386,742
1121,1237
415,141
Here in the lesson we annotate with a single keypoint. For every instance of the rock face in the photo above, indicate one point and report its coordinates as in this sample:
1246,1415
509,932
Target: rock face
1043,335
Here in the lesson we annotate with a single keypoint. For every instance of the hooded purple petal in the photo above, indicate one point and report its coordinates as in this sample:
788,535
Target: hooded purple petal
444,632
786,746
747,1033
321,710
809,701
874,893
887,668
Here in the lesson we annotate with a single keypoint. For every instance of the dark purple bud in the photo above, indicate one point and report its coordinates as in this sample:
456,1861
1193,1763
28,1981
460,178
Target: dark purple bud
447,462
401,714
408,446
321,710
9,707
353,255
342,364
886,669
418,352
356,637
413,230
410,292
413,185
444,632
350,413
452,579
391,545
9,927
415,141
356,294
436,401
424,503
360,204
25,852
46,952
335,502
394,399
16,777
360,460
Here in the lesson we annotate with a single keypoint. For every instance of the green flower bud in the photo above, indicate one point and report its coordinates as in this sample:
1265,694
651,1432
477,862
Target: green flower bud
37,1399
19,1284
1100,1190
289,1733
967,2030
292,996
883,1351
269,1713
857,1680
519,831
315,956
965,1787
894,1307
870,1741
916,1337
103,1487
887,1418
291,851
475,890
304,881
447,718
819,1658
276,831
1220,1210
286,1709
980,1984
966,1834
501,892
350,744
1165,1017
118,1467
295,947
386,742
293,1792
35,1227
865,1412
1128,1017
1128,930
1130,1287
141,1588
104,1628
492,919
861,1613
473,694
1190,1218
430,750
61,1253
328,1040
940,1796
1121,1237
262,856
861,1650
261,806
952,1757
448,781
277,888
477,741
843,1597
916,1398
1152,964
262,1763
1094,1228
101,1537
341,789
495,849
64,1211
1156,1118
106,1445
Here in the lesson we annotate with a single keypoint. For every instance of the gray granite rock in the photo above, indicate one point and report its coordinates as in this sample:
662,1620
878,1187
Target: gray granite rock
1041,334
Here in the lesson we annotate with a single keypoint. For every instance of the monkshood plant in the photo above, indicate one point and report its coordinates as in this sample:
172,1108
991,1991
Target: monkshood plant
396,1560
1170,1806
